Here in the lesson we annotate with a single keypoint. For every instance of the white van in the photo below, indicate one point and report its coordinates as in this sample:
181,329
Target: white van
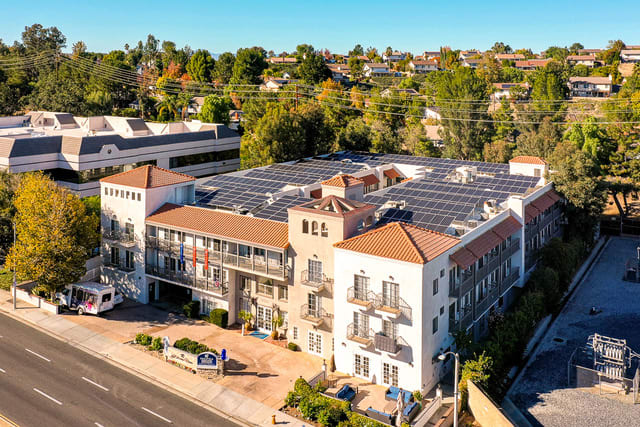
87,297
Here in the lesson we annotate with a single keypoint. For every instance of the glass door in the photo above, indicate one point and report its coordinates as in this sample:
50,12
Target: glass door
263,321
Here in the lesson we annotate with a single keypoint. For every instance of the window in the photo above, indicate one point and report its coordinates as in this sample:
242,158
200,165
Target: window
115,256
106,191
283,292
361,365
197,159
389,329
265,288
360,324
245,284
390,294
139,198
390,374
305,226
106,297
442,273
295,332
315,343
315,271
314,228
285,319
129,260
369,221
434,325
441,310
208,305
324,231
361,225
111,191
360,287
435,286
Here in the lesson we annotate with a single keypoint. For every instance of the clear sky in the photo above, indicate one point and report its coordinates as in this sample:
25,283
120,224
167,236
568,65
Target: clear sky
338,25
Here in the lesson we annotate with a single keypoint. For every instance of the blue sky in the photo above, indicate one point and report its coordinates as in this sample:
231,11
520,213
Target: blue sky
337,25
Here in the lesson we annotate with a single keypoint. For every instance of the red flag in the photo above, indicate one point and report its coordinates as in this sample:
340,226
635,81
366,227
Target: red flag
206,259
195,256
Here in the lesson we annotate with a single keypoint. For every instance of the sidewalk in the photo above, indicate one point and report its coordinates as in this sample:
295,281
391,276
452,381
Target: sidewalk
211,395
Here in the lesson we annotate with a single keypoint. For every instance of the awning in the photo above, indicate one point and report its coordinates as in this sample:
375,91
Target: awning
484,243
463,257
316,194
507,227
554,196
543,202
530,212
391,173
370,180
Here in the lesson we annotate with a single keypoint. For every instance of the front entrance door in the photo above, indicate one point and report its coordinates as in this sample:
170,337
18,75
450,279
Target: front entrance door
264,319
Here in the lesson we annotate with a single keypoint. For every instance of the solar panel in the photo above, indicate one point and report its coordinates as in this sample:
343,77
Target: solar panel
277,211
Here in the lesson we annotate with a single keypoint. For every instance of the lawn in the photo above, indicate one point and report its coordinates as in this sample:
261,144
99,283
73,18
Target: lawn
6,278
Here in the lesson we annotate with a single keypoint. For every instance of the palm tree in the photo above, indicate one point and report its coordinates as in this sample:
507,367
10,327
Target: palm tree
185,100
168,104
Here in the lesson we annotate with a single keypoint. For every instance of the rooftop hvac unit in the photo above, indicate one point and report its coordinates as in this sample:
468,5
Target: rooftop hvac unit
472,223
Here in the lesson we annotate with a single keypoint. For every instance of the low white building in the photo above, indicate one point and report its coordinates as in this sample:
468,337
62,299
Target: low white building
376,70
590,87
586,60
630,55
422,67
503,90
78,151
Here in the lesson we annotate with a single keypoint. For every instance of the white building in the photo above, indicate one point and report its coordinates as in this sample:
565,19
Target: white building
78,151
503,90
586,60
630,55
395,56
374,259
376,70
422,67
590,87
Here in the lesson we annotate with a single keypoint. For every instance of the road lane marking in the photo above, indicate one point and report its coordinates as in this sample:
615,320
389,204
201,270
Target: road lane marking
99,425
39,355
3,371
95,384
153,413
8,421
47,396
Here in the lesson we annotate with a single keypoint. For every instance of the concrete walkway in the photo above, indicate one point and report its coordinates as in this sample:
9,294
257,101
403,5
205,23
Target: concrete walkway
206,393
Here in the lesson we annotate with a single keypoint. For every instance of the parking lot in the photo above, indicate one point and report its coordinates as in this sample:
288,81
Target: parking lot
542,393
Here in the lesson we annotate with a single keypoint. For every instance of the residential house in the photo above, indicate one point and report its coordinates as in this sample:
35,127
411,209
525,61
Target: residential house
399,91
422,67
466,54
630,55
509,57
282,60
503,90
274,85
339,72
590,87
471,62
395,56
532,64
432,113
589,51
376,70
587,60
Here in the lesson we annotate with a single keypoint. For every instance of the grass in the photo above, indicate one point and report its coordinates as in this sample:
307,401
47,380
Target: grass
6,279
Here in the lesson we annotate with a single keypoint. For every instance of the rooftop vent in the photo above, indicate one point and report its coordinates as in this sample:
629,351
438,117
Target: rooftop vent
465,174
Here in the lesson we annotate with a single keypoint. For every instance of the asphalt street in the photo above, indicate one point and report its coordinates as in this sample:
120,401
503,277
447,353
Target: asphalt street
46,382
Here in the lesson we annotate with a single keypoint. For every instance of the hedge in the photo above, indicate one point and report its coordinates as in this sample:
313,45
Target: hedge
292,346
143,339
193,347
191,309
219,317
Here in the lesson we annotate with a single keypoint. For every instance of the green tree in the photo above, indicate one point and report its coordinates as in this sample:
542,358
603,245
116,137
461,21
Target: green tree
200,66
356,67
540,142
500,47
476,370
54,234
574,48
8,184
383,139
592,139
498,151
489,68
99,103
312,69
224,67
549,86
215,109
318,133
37,39
557,53
356,136
249,65
466,125
357,50
63,93
612,53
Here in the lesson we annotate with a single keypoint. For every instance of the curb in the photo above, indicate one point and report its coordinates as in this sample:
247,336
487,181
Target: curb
155,381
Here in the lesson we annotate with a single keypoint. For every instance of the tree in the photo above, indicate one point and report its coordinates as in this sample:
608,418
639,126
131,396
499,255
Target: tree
318,133
498,151
356,67
249,65
312,70
54,234
489,68
612,54
167,108
383,139
557,53
475,370
357,50
78,49
549,84
224,67
592,139
8,100
65,93
215,109
356,136
200,66
574,48
8,184
99,103
303,51
37,39
500,47
539,142
466,125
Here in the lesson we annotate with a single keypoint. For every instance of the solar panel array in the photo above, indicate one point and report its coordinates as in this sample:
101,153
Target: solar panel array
277,211
235,192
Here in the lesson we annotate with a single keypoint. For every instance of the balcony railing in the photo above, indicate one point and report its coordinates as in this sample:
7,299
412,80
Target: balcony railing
488,300
394,306
388,344
120,264
119,236
318,282
361,297
360,334
187,279
313,315
510,279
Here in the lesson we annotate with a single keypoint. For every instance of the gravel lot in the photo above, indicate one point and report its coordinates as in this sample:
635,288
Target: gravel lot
542,393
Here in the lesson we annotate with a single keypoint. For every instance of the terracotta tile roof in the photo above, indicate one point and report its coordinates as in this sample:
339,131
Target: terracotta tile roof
402,242
237,227
507,227
391,173
555,196
147,176
543,202
370,179
342,181
316,194
484,243
463,257
333,205
532,160
530,212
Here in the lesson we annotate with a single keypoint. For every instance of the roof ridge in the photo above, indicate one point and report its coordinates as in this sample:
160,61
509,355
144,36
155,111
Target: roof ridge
411,241
370,232
430,231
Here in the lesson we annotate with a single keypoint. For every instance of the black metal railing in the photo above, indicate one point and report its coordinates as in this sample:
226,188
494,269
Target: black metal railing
359,333
360,296
393,305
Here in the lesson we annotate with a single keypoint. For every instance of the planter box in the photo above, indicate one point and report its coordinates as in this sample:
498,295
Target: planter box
27,296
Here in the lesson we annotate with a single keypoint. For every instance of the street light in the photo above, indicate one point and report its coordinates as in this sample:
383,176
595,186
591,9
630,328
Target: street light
442,357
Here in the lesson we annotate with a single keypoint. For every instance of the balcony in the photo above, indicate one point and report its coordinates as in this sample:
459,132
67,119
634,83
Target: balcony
360,297
119,264
119,236
512,249
360,334
488,300
317,282
185,279
392,307
508,281
388,344
313,315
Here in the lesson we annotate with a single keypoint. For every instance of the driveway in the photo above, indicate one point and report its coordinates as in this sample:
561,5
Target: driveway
260,370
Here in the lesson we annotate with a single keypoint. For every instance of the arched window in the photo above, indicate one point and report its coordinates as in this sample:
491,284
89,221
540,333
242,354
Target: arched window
324,231
369,221
305,226
314,228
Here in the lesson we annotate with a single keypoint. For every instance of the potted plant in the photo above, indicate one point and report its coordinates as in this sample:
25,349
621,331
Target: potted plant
247,317
277,322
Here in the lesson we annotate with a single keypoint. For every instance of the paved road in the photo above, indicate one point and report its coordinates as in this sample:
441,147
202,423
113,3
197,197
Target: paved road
45,382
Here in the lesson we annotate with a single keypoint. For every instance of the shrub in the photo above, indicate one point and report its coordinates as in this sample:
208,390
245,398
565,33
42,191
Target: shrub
357,420
219,317
476,370
156,344
417,396
292,346
311,405
191,309
193,347
143,339
330,416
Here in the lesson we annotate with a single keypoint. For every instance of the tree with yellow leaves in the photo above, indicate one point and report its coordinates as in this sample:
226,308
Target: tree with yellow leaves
55,234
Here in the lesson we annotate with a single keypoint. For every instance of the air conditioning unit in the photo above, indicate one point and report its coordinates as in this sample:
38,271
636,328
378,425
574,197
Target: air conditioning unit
472,223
